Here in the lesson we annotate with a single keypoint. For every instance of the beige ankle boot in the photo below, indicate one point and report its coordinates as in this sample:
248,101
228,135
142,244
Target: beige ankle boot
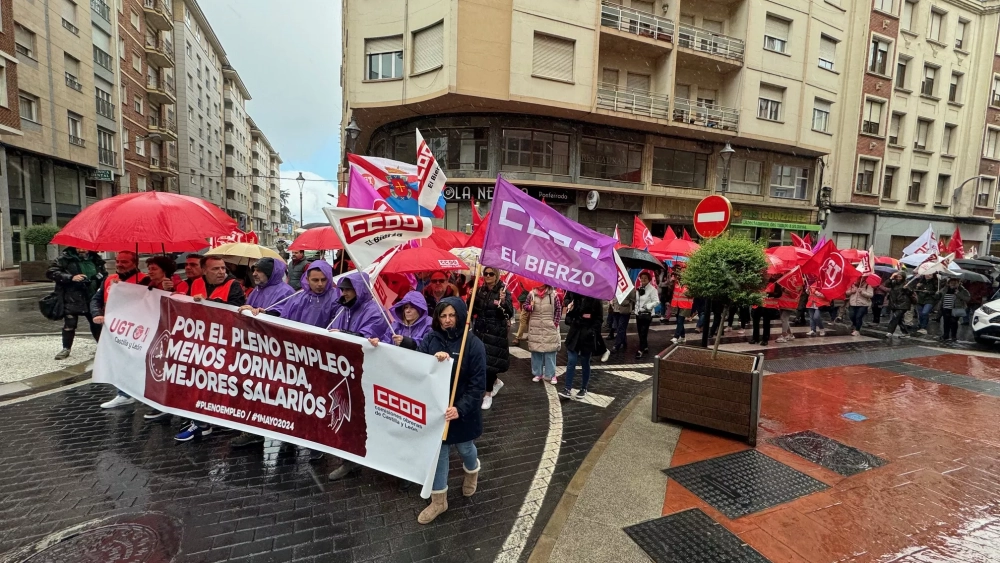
439,504
471,480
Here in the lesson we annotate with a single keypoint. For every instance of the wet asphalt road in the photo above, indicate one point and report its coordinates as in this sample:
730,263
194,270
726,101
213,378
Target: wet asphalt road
19,311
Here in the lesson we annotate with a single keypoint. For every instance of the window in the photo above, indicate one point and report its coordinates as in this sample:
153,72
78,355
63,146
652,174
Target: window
872,119
934,33
984,191
946,139
104,105
821,115
140,183
459,149
552,57
927,86
769,103
776,33
105,147
384,57
916,187
744,175
69,16
136,62
187,48
191,144
901,67
28,106
906,19
878,57
610,160
140,146
827,52
75,128
992,147
954,89
428,48
888,182
679,168
884,6
866,176
851,240
134,18
895,123
125,139
923,131
24,41
789,182
535,151
960,34
137,104
943,183
121,48
72,73
995,97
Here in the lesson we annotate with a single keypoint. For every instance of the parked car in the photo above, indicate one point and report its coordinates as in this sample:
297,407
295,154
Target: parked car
986,321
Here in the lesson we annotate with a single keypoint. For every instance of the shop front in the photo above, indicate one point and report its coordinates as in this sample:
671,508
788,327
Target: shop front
771,225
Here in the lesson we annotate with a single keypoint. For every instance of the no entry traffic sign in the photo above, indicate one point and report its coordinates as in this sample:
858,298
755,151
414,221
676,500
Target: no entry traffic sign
712,216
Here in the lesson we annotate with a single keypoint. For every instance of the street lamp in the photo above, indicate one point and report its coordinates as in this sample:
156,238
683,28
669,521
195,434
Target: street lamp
824,204
726,153
301,181
954,194
353,131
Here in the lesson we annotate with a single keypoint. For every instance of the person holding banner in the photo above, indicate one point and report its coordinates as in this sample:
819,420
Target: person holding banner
412,324
315,305
491,313
161,274
269,283
359,312
585,317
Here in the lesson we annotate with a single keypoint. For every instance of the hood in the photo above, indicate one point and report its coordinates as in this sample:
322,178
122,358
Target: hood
416,300
359,281
277,268
322,266
461,314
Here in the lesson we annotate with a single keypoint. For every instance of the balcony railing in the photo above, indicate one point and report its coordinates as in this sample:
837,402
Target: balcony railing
637,22
706,41
172,164
70,26
73,83
706,115
74,140
995,100
102,58
102,9
105,108
637,102
154,161
107,157
159,14
162,46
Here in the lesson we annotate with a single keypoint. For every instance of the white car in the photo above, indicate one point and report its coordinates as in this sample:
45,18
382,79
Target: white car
986,322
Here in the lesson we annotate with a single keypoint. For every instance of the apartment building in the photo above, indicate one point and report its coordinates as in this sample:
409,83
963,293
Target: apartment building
236,135
277,228
199,58
919,138
265,206
635,100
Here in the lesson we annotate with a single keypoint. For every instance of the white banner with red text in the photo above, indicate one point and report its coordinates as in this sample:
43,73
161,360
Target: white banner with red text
382,407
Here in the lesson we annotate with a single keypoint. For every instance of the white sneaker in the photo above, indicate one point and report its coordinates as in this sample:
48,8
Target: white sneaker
497,387
742,332
487,402
118,401
554,380
790,337
674,340
605,356
781,340
537,378
811,333
822,332
855,333
681,341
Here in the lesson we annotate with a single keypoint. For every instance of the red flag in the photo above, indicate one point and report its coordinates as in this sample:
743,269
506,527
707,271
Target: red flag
942,248
799,242
342,201
669,234
641,237
479,234
686,235
794,281
834,274
476,219
808,241
955,245
618,238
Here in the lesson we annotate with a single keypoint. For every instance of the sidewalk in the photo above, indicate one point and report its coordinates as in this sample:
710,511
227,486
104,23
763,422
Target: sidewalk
911,474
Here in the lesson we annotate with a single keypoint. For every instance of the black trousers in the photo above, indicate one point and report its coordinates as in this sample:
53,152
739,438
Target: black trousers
950,325
897,320
713,310
642,323
762,314
744,313
70,323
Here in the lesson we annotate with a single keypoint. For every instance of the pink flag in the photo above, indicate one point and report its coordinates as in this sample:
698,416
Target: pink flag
362,195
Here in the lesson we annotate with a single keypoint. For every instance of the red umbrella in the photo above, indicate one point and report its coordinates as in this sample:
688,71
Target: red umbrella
318,238
887,261
667,249
423,259
776,265
146,222
853,254
446,240
792,255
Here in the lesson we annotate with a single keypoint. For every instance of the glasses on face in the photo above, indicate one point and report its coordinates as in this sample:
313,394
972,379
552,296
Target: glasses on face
437,281
489,274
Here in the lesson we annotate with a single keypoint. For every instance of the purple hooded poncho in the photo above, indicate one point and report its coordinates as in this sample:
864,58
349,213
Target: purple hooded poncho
309,307
263,296
364,316
420,327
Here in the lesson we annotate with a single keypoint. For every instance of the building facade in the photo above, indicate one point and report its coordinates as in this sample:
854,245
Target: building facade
236,135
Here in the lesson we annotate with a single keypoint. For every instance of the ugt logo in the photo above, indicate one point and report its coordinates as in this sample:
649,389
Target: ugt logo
832,272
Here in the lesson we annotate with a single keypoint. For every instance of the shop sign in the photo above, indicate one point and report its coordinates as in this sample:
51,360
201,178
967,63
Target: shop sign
781,215
778,225
101,175
484,192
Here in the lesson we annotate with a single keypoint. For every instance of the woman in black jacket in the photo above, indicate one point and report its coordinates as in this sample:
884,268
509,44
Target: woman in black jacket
77,279
585,317
465,417
491,318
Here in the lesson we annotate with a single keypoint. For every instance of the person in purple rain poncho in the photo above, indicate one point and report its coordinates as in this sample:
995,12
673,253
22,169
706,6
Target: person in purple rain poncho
269,284
412,322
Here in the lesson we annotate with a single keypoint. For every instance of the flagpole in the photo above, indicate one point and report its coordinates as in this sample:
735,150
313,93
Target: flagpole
381,307
461,351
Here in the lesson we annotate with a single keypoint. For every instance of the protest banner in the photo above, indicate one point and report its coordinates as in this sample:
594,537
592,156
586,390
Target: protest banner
382,407
529,238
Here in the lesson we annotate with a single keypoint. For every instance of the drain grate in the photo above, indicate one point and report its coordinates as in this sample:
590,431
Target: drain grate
691,537
744,482
829,453
129,538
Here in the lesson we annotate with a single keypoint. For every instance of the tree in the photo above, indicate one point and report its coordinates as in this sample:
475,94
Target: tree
728,269
40,235
286,214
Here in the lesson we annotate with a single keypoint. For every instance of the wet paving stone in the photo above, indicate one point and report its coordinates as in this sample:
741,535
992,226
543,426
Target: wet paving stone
744,482
691,537
829,453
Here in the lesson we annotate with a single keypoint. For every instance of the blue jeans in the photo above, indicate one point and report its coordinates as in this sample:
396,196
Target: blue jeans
571,359
679,331
124,394
544,364
924,314
815,320
470,460
858,316
621,328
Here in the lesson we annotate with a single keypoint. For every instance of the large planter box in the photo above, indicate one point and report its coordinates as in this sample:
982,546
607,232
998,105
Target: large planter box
721,394
34,271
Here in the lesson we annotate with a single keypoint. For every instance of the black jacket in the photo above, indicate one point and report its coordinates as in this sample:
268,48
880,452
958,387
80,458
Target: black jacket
97,301
76,295
472,378
490,325
583,333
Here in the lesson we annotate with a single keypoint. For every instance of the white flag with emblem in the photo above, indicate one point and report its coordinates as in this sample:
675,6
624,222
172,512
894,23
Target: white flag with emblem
625,285
429,175
926,244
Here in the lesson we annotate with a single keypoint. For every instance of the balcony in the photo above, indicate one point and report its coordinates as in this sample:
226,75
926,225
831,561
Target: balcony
160,90
107,157
611,97
102,9
105,108
704,41
159,52
158,15
103,59
166,128
71,27
78,141
712,116
73,83
635,22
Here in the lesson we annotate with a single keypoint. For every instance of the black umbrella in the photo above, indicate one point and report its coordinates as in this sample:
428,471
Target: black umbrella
634,258
969,263
885,270
990,259
966,275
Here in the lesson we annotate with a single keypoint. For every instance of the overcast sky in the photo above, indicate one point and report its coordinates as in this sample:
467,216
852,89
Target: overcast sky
288,55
